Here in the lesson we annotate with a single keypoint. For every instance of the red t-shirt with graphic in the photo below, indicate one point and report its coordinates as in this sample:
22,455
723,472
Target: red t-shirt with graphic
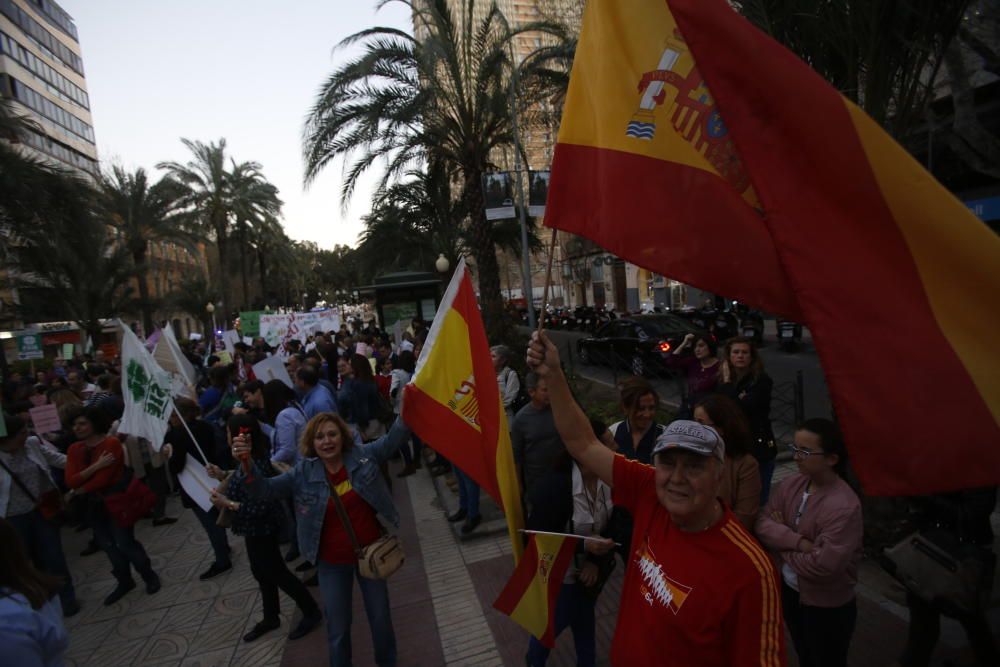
705,599
335,544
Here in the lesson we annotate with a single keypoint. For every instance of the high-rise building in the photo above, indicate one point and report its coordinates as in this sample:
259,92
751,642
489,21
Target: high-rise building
41,69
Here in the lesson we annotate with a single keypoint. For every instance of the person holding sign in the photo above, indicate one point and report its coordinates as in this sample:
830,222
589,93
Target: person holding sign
177,446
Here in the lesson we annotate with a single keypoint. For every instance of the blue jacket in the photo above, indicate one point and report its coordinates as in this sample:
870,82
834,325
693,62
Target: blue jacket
307,485
317,400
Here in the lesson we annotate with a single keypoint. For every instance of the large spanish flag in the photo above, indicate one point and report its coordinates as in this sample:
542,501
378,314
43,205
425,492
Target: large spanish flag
453,402
895,278
530,595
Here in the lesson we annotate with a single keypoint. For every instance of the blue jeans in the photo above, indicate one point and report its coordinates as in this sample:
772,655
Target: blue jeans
468,494
44,546
216,534
336,585
766,473
574,609
418,445
121,547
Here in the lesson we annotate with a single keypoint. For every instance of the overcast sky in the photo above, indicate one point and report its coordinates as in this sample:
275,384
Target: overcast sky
246,70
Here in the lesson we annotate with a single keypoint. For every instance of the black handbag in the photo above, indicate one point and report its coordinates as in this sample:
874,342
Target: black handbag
938,568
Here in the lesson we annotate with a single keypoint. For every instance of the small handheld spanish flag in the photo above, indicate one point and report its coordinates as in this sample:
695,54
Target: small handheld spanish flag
530,595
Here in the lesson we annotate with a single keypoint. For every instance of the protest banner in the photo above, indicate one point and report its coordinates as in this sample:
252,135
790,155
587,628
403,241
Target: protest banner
276,330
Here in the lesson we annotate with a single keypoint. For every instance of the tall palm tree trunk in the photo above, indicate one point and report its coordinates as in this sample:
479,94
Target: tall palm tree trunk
484,249
222,243
243,264
146,308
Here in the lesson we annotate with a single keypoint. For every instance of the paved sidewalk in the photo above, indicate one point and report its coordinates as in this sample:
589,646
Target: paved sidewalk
441,604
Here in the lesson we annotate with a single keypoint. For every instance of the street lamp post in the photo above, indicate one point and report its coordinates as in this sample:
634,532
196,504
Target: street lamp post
210,309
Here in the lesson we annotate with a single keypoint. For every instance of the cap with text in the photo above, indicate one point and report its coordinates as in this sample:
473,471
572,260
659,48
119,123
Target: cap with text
693,437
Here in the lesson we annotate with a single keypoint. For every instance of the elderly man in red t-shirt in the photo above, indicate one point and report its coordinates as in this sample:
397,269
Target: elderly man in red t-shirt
699,590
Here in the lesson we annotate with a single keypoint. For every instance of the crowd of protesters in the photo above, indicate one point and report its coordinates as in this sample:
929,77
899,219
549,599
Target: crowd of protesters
688,502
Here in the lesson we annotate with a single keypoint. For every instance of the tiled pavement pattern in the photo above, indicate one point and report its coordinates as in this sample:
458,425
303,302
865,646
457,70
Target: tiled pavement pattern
441,603
189,622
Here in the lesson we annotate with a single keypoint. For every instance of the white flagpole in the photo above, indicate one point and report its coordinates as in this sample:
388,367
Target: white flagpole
193,439
581,537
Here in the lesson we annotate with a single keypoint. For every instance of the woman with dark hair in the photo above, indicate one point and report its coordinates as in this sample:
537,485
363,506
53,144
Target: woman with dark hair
25,484
701,369
813,524
32,633
358,397
260,521
333,462
95,465
740,488
743,379
283,412
637,433
177,447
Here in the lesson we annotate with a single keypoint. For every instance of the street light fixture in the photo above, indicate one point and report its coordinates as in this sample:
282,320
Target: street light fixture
442,264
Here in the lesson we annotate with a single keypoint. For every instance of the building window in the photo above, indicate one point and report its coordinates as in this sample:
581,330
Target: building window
38,103
54,82
40,36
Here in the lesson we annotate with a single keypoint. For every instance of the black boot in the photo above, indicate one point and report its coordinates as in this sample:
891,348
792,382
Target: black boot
262,628
457,516
121,590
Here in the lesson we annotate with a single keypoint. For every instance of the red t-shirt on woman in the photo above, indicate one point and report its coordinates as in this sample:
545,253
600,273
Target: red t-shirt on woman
79,457
335,543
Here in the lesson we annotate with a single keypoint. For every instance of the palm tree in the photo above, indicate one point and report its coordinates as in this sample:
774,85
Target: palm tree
67,263
191,297
142,213
883,55
206,194
255,203
445,97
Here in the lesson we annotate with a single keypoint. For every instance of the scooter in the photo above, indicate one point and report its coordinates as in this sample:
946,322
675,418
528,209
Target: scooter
789,335
752,326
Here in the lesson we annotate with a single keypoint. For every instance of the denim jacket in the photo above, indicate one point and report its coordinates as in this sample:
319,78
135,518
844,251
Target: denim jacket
307,485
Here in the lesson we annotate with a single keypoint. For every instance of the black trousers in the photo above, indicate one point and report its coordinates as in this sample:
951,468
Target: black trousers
821,635
269,569
925,628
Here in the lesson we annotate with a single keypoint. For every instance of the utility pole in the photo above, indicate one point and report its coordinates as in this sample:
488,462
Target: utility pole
525,252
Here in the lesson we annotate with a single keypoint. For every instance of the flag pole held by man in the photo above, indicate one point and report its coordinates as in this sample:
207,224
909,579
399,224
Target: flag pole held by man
696,146
453,402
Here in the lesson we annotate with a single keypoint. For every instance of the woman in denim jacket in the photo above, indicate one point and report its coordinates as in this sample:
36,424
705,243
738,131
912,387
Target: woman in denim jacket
333,460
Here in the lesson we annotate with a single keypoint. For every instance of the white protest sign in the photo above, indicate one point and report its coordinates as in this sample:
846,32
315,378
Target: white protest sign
196,482
230,339
272,368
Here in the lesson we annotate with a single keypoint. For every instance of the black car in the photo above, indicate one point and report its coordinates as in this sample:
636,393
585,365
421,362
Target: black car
640,343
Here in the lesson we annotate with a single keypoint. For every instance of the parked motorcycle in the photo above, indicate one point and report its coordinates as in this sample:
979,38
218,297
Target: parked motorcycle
789,335
752,326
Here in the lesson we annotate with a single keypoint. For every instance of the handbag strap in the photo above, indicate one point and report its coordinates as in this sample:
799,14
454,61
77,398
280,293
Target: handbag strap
346,520
19,483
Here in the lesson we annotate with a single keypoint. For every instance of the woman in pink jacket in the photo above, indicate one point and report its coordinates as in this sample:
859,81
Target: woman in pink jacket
812,522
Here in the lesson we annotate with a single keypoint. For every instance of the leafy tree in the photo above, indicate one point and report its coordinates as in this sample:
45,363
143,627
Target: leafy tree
255,209
143,212
883,55
206,196
443,96
68,264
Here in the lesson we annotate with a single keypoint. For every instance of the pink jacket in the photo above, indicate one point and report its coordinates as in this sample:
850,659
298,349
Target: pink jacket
832,522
